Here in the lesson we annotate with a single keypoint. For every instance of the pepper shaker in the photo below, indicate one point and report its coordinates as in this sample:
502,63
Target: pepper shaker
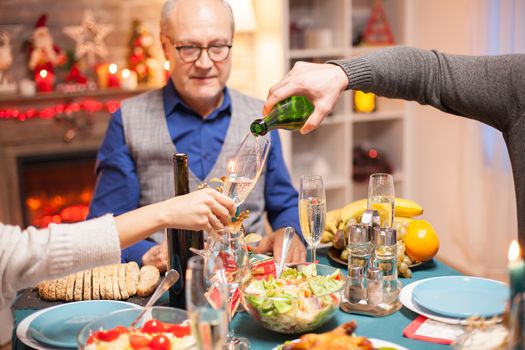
354,292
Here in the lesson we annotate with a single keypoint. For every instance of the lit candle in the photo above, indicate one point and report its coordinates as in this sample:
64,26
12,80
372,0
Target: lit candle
516,270
167,71
113,81
44,81
129,79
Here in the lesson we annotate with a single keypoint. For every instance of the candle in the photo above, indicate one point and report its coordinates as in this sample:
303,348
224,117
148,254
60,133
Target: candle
129,79
166,71
516,270
113,81
44,81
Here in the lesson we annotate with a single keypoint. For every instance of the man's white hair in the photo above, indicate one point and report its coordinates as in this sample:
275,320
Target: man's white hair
167,10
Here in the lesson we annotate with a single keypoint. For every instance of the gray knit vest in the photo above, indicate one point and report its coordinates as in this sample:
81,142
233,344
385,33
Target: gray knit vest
150,144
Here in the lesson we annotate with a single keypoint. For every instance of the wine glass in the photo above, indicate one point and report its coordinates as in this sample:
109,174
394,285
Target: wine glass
312,210
206,299
381,197
244,169
228,245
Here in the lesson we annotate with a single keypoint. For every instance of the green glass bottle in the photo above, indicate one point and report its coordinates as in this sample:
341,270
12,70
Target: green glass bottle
289,114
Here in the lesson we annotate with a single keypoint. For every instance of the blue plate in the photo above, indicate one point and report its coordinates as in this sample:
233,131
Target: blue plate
60,325
461,296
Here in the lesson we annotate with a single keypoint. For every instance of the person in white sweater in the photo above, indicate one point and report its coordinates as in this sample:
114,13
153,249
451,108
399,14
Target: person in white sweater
33,255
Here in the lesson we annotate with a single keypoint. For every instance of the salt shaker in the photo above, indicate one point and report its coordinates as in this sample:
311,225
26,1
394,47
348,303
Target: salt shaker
374,287
355,291
385,258
360,246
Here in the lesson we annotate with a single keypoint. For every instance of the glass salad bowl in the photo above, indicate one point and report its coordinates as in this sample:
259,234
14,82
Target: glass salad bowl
303,299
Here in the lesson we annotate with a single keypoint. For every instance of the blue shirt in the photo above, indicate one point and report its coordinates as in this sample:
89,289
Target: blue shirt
118,188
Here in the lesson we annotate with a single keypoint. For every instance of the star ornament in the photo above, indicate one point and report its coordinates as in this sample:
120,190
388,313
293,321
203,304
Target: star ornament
89,37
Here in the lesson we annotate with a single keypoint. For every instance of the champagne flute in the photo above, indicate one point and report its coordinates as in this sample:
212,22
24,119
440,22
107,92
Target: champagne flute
381,197
312,210
206,300
244,169
228,245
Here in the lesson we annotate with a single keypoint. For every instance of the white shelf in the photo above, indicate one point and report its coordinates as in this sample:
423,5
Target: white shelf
377,116
329,150
309,53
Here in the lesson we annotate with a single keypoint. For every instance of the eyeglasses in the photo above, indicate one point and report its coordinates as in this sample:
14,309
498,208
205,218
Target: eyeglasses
191,53
216,53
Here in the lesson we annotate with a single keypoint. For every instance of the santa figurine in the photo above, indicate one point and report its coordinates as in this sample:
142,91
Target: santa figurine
43,54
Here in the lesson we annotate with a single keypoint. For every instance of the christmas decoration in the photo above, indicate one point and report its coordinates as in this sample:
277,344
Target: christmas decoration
6,60
88,105
129,79
377,30
89,37
44,55
140,58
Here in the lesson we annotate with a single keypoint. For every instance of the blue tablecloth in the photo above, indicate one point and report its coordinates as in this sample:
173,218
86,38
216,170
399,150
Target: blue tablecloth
389,328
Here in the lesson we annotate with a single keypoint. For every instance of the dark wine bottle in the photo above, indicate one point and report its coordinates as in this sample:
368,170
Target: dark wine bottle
180,241
289,114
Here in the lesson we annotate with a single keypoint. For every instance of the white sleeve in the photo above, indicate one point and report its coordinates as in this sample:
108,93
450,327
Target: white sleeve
30,256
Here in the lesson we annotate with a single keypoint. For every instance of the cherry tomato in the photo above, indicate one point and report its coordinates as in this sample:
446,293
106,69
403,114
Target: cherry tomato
160,342
108,335
92,338
178,330
153,326
138,341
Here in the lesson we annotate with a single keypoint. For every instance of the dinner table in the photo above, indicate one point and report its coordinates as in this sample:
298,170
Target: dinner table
387,328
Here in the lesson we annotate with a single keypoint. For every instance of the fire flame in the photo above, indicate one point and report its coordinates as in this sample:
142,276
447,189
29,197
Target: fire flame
514,251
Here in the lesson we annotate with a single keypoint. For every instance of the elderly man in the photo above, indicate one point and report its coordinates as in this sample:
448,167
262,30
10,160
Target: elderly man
197,114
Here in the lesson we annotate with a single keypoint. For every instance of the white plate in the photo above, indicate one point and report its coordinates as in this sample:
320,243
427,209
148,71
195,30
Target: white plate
23,334
406,299
376,343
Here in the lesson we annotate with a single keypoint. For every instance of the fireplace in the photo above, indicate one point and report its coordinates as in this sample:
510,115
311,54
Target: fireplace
55,188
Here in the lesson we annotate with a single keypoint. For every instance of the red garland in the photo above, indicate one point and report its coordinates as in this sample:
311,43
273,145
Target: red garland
51,112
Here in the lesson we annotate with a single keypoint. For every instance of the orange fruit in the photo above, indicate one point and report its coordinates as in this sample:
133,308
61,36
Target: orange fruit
421,241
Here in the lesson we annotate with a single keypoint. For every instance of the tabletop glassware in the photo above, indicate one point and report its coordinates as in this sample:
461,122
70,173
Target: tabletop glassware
229,247
244,169
312,210
206,301
381,197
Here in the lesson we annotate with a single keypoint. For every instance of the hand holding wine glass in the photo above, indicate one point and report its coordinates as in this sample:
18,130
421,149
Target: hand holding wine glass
244,169
312,210
381,197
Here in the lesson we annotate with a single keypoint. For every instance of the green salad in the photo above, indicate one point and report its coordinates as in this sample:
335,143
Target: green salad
299,301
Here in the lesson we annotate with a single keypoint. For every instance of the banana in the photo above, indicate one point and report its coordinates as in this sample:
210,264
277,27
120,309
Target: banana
402,220
332,219
353,210
407,208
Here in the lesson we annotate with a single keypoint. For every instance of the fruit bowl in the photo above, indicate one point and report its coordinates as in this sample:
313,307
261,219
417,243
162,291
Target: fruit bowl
113,331
294,305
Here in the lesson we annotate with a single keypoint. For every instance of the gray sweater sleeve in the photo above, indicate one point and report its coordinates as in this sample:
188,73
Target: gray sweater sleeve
490,89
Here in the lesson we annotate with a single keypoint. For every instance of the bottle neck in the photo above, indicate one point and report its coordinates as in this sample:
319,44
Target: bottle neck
259,127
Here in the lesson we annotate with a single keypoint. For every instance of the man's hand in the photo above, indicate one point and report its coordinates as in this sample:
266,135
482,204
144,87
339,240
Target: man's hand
321,83
157,256
274,243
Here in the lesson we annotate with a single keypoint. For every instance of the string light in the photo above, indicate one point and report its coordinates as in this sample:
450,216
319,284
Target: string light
51,112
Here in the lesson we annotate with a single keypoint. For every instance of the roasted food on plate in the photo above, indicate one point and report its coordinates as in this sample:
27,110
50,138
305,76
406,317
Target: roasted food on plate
341,338
111,282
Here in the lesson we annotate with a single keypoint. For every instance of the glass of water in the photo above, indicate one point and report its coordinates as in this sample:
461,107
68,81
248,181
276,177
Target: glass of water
381,197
